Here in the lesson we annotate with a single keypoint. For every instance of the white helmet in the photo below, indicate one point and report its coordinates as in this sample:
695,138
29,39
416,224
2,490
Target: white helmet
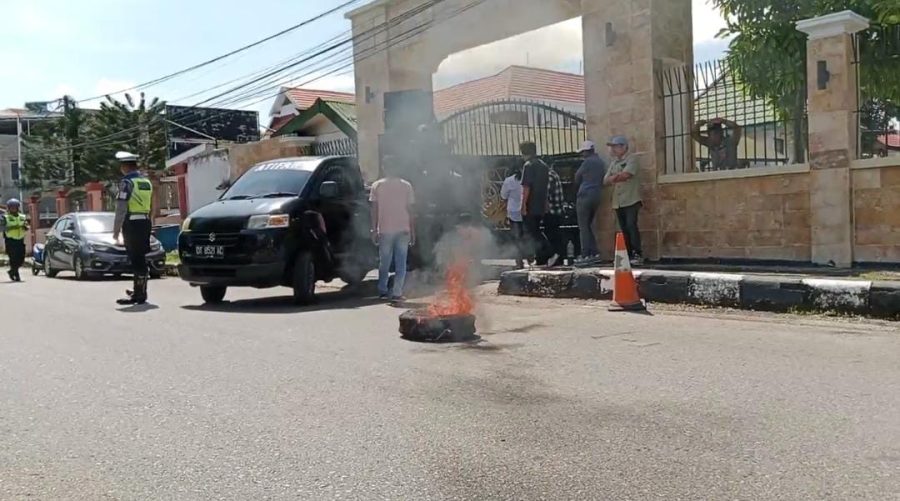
13,201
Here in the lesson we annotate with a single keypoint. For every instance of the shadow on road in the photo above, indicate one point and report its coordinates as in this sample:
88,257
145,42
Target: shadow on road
138,308
347,298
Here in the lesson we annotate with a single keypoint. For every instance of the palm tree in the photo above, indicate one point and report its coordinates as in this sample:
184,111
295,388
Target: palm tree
138,127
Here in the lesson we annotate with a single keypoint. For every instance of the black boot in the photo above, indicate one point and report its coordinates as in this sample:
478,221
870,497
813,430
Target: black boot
132,297
140,290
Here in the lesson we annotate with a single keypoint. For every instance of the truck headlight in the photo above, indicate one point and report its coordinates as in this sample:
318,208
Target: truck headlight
186,225
266,221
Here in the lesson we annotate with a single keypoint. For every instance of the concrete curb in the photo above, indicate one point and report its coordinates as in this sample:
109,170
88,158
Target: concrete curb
751,292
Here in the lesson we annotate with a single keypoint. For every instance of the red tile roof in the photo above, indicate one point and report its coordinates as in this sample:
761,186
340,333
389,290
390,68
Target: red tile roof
304,98
515,82
279,122
891,140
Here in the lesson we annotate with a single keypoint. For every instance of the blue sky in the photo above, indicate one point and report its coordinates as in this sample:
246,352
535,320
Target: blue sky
88,47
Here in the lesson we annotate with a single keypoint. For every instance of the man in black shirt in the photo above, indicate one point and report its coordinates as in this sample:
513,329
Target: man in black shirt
535,204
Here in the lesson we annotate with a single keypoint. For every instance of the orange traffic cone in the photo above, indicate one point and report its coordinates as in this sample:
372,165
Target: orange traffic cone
625,291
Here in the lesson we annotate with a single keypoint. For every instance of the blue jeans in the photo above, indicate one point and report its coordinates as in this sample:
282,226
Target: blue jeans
392,247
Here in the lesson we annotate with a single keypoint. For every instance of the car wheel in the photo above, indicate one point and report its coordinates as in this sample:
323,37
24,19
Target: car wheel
304,279
213,295
78,267
48,269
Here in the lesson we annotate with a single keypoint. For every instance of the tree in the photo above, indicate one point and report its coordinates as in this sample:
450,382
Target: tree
138,127
51,151
80,146
768,54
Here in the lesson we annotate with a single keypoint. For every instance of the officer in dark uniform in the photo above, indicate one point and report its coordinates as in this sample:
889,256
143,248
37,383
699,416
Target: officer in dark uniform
133,223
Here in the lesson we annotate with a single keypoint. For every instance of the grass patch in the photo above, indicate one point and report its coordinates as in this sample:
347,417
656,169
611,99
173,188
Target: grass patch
876,276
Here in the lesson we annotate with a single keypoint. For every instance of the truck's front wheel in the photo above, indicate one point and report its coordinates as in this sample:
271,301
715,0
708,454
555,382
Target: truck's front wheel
304,278
213,295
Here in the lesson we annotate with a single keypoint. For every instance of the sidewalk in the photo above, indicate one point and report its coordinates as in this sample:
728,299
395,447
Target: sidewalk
746,287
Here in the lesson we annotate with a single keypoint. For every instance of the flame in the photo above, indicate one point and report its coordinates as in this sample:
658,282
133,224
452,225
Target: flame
456,298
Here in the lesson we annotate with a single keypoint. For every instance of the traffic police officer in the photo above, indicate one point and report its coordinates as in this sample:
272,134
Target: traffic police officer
133,223
14,226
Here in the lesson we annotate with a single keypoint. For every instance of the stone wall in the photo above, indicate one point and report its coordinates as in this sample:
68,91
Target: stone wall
876,208
758,218
244,156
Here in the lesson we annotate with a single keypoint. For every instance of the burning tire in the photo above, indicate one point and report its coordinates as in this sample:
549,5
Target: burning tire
422,326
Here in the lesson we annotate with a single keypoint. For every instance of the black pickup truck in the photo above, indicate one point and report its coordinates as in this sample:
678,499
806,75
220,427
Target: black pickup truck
286,222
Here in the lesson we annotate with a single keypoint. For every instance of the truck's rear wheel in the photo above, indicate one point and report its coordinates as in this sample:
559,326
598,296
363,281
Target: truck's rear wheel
304,278
213,295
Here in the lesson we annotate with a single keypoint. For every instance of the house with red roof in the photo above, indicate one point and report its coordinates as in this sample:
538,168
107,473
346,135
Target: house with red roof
554,88
293,101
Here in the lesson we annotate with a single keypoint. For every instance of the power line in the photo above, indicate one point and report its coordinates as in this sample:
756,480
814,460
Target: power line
368,34
229,54
402,37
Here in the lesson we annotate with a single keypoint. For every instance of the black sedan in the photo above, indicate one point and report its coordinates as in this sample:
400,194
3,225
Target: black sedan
83,242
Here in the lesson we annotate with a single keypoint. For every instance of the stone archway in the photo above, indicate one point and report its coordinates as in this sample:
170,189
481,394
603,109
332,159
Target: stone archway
399,44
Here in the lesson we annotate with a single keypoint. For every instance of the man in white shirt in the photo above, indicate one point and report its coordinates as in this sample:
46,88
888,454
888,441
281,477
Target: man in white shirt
393,227
511,191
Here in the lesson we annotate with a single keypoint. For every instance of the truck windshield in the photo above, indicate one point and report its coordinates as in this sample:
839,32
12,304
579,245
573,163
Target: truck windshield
270,180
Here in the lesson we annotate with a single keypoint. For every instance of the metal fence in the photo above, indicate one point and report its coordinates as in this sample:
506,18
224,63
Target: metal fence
713,122
496,128
878,68
336,147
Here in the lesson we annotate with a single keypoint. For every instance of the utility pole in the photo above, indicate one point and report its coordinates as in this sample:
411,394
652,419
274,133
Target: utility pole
21,158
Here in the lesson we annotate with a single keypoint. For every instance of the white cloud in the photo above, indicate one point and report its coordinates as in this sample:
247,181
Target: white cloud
708,21
112,87
64,89
550,47
555,47
337,82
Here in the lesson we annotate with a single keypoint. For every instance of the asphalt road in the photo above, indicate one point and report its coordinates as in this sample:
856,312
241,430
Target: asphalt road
260,400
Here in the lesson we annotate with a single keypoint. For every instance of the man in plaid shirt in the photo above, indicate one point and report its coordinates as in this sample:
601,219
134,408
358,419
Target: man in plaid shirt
554,218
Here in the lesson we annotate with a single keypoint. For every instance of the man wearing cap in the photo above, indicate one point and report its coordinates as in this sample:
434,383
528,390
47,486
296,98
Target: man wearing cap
14,226
723,149
623,177
588,182
133,223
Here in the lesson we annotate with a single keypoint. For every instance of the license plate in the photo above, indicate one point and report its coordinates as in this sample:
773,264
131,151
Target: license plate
210,251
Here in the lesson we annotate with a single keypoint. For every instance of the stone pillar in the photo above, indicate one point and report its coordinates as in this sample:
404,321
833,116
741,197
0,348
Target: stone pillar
403,67
62,202
94,196
833,102
625,45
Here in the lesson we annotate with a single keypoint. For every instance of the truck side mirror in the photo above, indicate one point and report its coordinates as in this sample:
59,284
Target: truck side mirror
329,189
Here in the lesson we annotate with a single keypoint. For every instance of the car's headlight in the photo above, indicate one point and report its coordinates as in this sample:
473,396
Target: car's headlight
100,247
268,221
186,225
155,245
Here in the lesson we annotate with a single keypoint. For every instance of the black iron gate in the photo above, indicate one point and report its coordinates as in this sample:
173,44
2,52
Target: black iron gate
496,128
487,136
